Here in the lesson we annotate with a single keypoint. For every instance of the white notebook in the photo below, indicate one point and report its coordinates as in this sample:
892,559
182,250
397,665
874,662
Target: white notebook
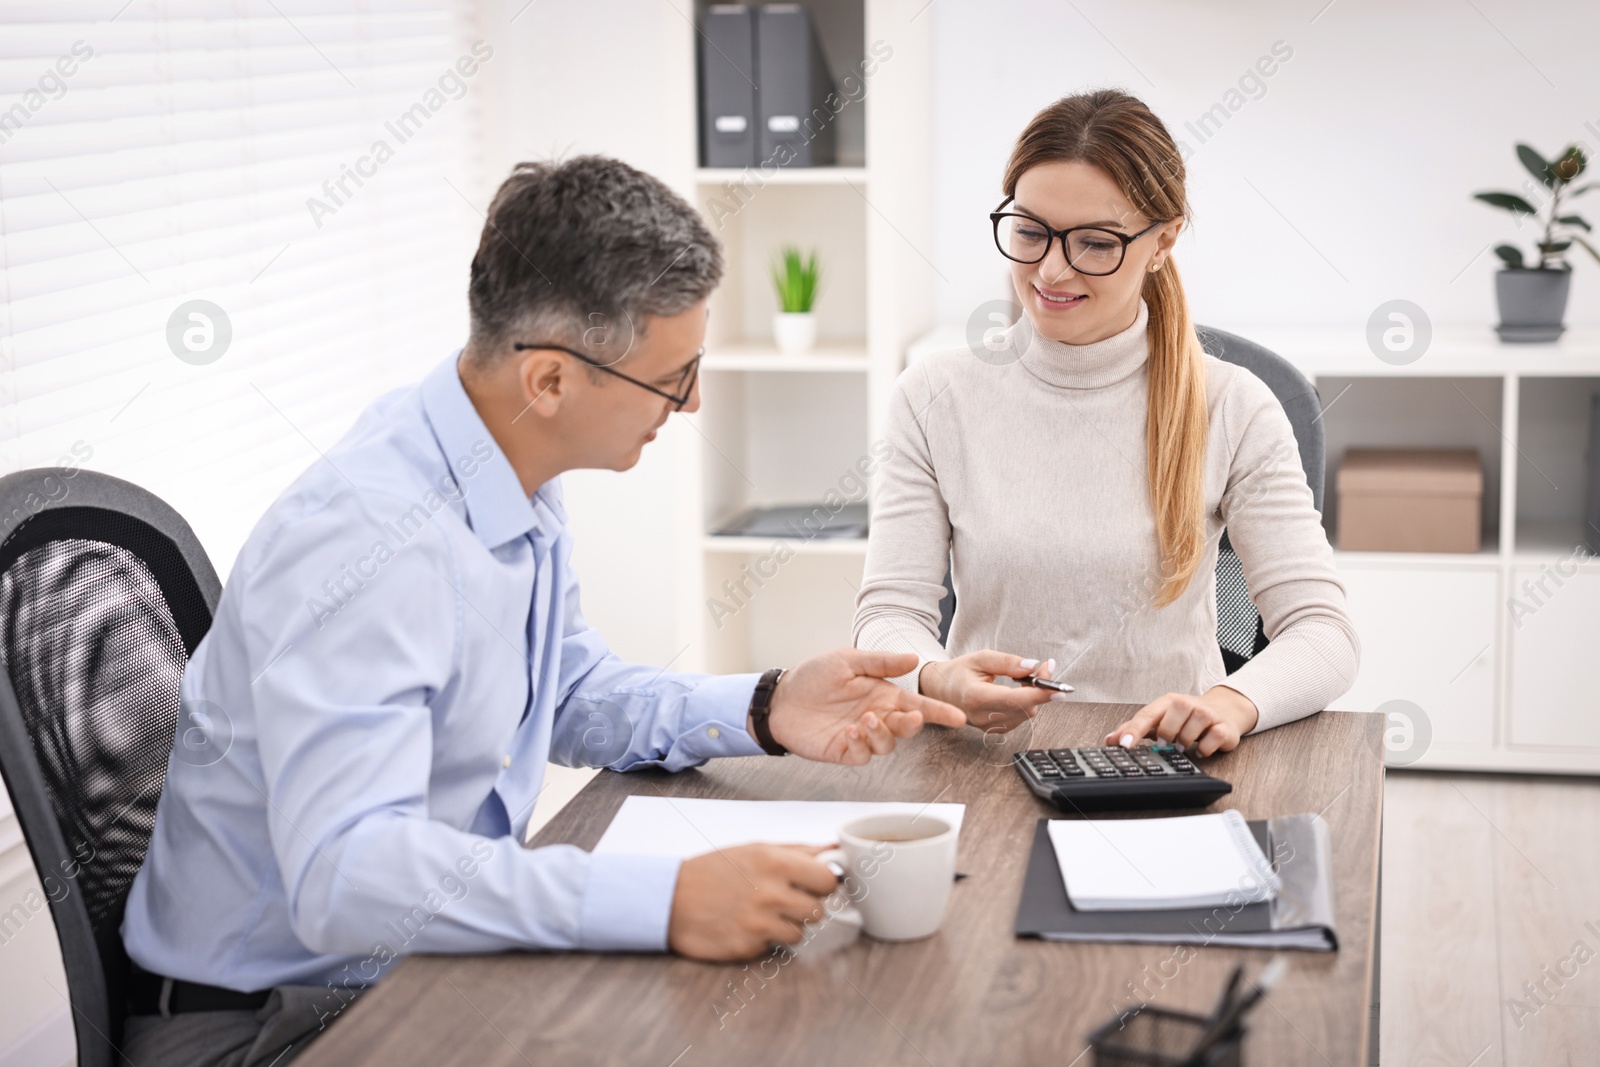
1194,861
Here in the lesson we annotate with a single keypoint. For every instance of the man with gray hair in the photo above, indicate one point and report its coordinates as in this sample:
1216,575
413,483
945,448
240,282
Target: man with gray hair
399,651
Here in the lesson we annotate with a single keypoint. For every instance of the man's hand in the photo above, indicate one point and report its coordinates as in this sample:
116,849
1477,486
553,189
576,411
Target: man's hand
732,904
1204,724
837,707
969,683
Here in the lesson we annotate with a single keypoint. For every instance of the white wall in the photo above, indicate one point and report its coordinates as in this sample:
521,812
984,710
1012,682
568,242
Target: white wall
1370,141
607,76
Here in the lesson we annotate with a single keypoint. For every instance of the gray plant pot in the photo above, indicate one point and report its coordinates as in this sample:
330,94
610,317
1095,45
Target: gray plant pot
1532,303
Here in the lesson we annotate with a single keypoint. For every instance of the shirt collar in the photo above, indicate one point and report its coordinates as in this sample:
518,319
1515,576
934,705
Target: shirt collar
497,509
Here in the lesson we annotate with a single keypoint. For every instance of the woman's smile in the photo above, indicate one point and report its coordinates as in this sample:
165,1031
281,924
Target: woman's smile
1057,299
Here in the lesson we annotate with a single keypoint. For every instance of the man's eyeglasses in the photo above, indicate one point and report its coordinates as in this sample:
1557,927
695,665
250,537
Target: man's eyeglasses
1090,250
685,384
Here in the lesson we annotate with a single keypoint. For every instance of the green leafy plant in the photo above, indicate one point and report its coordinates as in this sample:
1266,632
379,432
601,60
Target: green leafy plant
795,279
1560,231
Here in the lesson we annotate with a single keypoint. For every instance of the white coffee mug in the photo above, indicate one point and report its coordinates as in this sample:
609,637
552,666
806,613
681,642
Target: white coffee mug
898,872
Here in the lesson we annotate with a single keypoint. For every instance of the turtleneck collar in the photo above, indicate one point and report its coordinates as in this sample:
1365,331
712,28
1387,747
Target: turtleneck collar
1091,366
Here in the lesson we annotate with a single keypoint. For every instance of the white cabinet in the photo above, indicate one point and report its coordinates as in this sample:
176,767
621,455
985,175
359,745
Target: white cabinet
1509,680
1427,636
1555,664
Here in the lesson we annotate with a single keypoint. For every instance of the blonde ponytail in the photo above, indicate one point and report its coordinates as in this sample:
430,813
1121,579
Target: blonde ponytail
1175,437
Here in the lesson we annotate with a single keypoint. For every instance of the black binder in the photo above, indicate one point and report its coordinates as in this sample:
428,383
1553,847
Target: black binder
1300,917
797,127
728,86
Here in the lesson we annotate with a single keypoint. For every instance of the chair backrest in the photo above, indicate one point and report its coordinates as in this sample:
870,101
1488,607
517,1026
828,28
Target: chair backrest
1239,632
105,592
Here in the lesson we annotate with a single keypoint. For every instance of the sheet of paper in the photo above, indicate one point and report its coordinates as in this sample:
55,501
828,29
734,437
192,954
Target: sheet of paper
676,826
1133,864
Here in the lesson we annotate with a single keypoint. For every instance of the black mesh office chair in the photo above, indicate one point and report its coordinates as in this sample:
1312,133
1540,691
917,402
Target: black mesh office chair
1240,634
104,594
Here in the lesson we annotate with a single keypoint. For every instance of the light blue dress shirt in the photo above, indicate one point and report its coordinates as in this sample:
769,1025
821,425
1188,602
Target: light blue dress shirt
364,731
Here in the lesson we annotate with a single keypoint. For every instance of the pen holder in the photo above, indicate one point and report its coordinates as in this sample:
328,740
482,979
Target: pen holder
1156,1037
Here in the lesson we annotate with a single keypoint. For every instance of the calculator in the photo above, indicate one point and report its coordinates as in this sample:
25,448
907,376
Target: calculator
1112,778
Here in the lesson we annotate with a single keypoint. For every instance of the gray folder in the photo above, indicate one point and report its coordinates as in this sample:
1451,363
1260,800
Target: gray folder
1300,917
728,86
803,521
797,128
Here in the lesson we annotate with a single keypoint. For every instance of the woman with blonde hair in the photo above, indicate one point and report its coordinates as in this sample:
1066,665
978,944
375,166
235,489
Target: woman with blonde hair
1077,473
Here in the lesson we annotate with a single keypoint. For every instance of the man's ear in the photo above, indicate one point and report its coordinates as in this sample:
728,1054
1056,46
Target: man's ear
542,375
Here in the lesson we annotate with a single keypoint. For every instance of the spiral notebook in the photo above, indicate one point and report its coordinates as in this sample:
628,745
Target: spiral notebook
1301,916
1192,861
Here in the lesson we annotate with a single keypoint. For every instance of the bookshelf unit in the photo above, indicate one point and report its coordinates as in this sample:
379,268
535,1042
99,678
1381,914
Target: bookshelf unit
791,429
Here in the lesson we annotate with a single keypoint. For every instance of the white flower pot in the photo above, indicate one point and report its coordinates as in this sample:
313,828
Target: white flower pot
794,331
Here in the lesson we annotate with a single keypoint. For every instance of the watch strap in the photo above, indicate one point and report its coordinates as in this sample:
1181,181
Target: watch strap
761,708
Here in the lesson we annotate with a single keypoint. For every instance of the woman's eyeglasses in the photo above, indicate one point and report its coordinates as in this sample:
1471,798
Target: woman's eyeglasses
1089,249
685,384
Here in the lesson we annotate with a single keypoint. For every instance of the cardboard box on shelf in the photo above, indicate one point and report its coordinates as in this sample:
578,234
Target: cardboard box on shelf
1410,500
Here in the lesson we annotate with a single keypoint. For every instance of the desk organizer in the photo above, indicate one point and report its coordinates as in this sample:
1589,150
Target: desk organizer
1156,1037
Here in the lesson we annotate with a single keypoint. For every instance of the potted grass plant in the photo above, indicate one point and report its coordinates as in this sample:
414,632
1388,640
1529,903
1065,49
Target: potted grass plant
1533,299
794,327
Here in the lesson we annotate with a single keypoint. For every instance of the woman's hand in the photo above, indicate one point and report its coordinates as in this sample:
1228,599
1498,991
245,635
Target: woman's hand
968,682
1204,724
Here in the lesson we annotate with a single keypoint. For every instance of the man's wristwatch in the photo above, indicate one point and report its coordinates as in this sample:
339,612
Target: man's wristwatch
761,708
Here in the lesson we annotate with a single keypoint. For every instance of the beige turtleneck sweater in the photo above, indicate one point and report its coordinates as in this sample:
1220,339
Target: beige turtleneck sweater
1028,478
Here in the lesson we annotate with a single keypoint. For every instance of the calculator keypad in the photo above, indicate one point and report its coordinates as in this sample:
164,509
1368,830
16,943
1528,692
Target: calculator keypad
1107,778
1059,764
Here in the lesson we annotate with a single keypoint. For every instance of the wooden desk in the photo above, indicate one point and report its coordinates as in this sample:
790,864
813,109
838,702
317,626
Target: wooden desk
973,993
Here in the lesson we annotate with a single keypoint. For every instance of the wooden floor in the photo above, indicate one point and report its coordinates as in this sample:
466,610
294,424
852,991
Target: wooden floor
1490,882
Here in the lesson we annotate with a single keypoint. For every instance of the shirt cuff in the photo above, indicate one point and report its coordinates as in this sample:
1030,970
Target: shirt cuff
714,717
627,903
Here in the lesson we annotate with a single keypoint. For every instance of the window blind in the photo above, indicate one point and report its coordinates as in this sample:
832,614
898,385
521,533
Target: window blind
307,169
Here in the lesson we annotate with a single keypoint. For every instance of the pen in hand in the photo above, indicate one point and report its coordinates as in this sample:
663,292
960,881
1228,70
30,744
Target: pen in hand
1044,683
